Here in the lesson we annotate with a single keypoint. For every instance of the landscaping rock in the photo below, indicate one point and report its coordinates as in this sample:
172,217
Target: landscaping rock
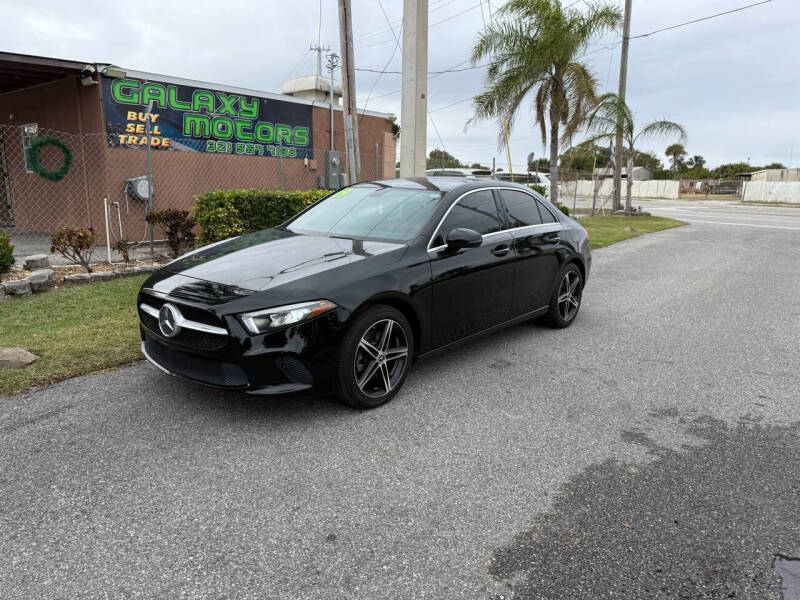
2,292
103,276
145,269
36,261
77,277
41,280
16,358
18,288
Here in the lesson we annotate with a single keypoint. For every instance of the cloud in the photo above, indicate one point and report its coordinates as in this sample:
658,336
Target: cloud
731,81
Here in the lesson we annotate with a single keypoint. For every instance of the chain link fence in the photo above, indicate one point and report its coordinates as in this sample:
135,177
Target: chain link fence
95,191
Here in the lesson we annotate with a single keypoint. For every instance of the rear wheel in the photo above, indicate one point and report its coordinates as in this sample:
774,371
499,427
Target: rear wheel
566,298
374,357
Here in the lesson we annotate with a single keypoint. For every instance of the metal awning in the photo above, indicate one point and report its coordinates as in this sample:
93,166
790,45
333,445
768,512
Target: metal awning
19,71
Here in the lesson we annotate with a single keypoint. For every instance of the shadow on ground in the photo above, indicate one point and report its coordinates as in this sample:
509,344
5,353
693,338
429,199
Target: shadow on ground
702,522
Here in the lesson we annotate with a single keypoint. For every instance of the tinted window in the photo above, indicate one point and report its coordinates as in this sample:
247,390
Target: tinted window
370,211
521,209
475,211
547,216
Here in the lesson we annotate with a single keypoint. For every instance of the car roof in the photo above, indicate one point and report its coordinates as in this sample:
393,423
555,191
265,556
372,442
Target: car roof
443,184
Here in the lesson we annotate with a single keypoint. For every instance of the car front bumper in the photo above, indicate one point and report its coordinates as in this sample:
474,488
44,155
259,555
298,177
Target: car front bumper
295,359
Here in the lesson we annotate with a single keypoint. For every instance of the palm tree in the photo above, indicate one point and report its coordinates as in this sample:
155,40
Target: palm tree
536,50
609,111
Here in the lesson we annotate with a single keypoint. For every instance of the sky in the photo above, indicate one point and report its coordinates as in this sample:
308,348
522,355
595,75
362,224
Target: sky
732,81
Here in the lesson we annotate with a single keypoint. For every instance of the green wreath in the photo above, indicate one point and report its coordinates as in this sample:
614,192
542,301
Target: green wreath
34,162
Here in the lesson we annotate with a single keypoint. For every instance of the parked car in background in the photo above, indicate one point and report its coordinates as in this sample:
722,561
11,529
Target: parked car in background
459,172
346,295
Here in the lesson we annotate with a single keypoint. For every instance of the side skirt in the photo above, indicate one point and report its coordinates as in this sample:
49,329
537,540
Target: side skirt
469,338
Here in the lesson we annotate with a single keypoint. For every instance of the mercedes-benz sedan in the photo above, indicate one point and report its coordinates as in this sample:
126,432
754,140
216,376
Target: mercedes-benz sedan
349,293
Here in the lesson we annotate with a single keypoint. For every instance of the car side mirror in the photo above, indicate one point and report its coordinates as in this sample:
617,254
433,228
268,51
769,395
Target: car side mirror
461,237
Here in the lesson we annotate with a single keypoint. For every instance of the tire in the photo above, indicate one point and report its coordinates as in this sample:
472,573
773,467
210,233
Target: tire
365,350
564,308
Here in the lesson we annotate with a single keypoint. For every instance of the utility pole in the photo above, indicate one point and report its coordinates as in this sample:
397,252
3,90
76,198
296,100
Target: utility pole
414,111
319,50
623,81
349,108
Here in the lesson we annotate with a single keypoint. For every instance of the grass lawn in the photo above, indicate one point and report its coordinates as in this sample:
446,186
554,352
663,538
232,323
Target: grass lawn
606,230
74,330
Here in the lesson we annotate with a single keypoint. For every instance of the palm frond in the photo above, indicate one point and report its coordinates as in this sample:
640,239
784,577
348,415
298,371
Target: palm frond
663,128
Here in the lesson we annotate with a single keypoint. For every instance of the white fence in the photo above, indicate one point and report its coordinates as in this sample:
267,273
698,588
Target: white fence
651,188
772,191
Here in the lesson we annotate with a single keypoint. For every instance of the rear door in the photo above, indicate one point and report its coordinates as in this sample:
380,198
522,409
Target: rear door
537,245
472,288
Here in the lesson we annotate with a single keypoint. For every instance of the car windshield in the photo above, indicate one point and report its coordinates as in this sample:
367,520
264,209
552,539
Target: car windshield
370,211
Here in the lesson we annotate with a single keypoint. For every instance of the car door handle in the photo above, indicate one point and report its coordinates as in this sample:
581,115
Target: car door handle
501,250
551,237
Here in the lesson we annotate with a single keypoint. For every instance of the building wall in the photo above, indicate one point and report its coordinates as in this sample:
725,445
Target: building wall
73,112
776,175
67,110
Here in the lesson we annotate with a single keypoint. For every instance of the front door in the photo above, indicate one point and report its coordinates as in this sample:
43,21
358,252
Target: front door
472,288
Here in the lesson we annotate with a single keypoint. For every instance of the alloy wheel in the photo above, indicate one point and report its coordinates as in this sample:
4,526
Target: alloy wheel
569,295
381,358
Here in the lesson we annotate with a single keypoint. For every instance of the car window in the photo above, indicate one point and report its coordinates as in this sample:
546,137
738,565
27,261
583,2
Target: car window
521,208
476,211
547,216
370,211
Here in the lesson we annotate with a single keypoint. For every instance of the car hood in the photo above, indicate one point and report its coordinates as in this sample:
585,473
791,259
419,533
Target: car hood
274,257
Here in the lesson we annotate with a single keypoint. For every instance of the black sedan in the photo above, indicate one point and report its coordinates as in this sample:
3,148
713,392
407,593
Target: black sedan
346,295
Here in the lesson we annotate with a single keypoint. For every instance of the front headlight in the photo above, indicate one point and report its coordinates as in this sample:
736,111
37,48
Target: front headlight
262,321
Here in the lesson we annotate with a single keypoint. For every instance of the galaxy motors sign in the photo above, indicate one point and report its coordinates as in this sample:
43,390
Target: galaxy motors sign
191,119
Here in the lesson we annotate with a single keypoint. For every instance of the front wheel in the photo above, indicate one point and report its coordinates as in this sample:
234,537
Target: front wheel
374,357
566,298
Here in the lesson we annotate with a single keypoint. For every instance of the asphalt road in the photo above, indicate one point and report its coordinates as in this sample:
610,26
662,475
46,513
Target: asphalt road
652,450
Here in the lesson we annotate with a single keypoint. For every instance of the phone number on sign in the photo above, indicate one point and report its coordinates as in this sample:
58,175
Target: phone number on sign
248,148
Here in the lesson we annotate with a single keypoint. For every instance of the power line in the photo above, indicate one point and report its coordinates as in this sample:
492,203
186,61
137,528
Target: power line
458,14
429,72
398,21
727,12
388,62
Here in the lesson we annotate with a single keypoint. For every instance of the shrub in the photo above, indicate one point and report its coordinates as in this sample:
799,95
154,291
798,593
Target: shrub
6,253
564,209
177,226
538,187
124,248
227,213
76,245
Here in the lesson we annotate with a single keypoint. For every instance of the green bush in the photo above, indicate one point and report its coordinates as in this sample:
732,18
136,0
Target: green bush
227,213
564,209
538,187
6,253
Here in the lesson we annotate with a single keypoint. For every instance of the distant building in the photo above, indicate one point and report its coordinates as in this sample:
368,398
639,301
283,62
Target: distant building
639,173
775,175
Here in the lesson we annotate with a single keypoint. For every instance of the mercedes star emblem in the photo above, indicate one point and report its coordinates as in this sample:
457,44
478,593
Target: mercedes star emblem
169,318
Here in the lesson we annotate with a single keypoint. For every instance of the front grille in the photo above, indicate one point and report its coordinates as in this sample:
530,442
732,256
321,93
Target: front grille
190,312
197,368
190,338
